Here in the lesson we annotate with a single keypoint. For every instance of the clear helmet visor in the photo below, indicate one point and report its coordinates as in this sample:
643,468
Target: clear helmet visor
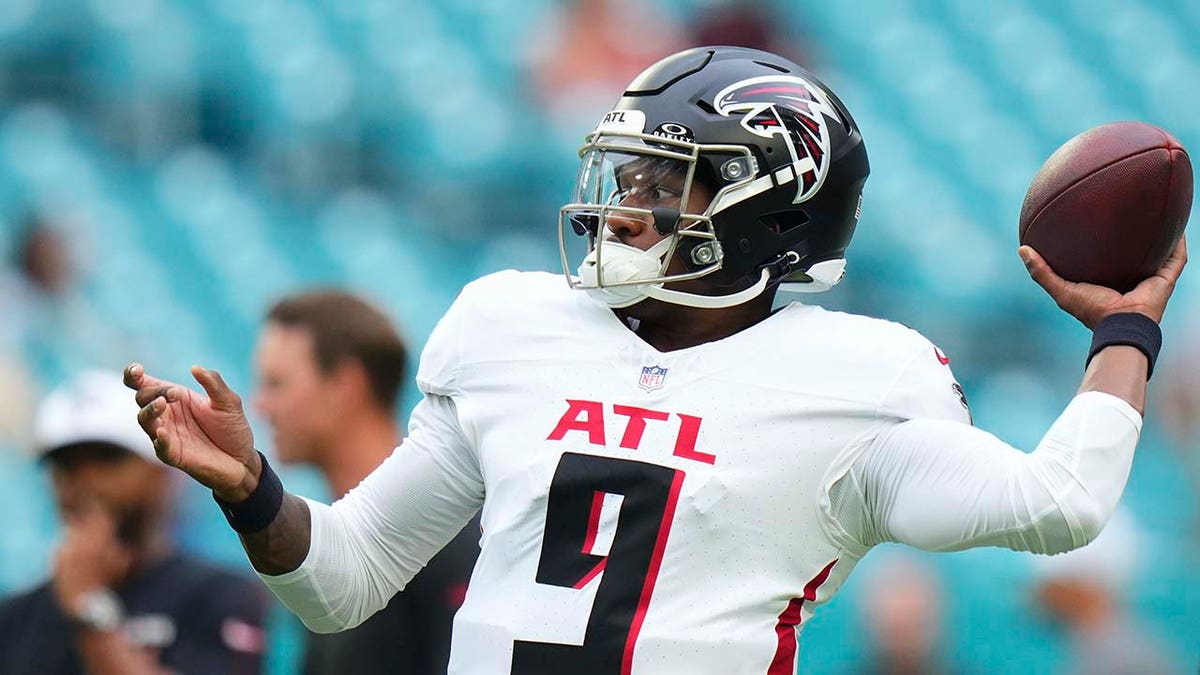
621,183
630,184
618,178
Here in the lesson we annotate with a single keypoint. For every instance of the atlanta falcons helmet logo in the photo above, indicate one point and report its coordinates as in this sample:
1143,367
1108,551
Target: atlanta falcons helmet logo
791,107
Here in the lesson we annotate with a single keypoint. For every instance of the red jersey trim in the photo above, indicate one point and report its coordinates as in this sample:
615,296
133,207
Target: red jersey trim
660,545
784,662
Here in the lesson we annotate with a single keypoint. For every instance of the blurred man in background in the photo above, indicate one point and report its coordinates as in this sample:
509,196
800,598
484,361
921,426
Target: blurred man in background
903,610
330,368
1084,589
121,600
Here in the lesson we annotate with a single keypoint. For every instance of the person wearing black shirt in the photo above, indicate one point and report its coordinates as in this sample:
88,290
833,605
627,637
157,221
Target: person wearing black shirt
120,600
329,368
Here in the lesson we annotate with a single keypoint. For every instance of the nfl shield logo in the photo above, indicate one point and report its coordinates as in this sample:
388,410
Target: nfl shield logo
652,378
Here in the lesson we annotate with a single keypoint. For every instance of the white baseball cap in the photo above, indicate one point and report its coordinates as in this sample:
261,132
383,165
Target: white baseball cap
94,407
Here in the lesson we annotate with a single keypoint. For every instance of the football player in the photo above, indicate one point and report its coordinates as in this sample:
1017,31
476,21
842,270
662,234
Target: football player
673,477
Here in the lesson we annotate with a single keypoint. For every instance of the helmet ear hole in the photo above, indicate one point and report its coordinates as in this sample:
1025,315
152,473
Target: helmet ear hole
782,222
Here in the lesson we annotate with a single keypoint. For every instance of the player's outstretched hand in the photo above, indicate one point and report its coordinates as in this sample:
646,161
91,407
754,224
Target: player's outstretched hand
208,437
1089,303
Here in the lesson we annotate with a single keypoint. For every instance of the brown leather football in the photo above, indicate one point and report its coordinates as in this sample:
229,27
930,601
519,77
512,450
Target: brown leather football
1110,204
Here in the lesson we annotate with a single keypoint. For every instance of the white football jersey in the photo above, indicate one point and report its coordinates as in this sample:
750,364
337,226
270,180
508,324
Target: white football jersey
652,512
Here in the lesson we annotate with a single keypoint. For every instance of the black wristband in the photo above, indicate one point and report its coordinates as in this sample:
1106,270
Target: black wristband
1130,329
257,511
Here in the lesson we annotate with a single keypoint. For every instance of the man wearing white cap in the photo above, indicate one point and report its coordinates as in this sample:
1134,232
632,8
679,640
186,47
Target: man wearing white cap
120,599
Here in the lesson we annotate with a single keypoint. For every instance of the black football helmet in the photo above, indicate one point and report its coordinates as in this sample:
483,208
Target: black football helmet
783,157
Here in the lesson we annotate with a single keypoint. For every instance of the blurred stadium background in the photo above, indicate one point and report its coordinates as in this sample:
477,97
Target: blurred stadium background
192,160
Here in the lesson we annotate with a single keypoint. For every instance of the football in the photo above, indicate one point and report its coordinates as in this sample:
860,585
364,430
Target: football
1110,204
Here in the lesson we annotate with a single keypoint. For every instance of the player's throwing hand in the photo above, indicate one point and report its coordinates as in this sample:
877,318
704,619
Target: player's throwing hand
1090,303
208,437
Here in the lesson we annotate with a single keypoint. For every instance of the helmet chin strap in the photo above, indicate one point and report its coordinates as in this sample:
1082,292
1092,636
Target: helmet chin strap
708,301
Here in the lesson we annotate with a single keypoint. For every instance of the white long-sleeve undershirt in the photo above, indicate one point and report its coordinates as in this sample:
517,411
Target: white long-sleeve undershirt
368,545
944,486
935,485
